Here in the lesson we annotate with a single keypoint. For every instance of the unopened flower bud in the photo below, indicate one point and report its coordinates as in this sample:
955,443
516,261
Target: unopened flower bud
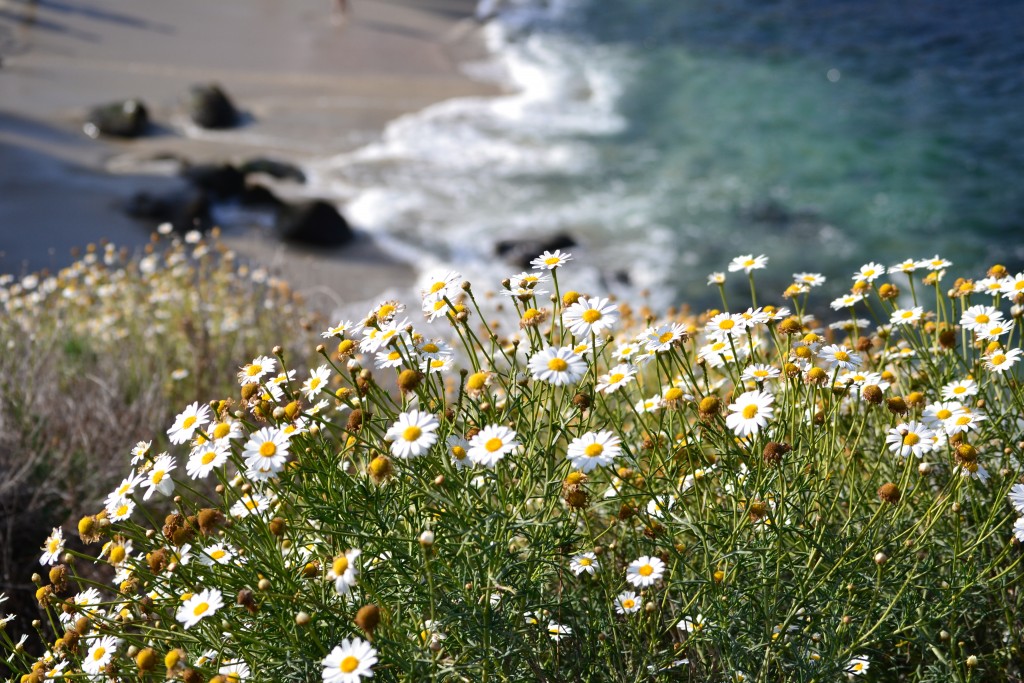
427,538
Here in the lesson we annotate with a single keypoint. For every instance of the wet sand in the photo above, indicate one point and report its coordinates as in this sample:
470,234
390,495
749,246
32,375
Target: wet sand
309,82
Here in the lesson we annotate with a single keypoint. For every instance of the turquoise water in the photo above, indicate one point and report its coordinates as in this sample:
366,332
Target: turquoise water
673,135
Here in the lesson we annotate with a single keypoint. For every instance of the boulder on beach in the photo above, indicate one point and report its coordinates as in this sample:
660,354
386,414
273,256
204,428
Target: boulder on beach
281,170
122,119
210,107
522,251
259,197
315,223
222,181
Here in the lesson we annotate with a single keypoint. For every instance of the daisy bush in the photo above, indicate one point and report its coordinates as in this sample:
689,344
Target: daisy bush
535,483
99,355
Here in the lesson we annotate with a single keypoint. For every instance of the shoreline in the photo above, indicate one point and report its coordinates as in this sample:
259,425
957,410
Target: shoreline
308,87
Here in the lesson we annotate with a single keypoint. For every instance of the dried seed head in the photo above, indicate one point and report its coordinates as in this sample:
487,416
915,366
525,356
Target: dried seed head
816,375
872,393
889,493
355,421
773,452
209,519
409,379
888,291
947,338
791,325
146,659
367,619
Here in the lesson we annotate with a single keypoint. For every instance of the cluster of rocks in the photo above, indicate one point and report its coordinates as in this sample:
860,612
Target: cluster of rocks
207,105
313,222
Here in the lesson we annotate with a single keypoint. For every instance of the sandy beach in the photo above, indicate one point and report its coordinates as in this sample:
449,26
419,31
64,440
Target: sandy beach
309,83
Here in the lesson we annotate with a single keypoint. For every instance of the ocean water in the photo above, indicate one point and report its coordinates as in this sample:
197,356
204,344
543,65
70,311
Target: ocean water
669,136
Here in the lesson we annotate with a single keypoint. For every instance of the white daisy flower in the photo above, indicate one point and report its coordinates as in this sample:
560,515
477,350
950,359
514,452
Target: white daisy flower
617,377
203,604
809,279
342,329
627,602
980,316
53,547
412,434
869,272
558,631
99,655
750,413
725,325
441,283
584,563
586,316
217,553
846,301
235,671
141,451
388,359
550,260
559,366
491,444
344,571
207,457
349,661
661,338
960,389
840,356
748,263
250,504
906,316
158,477
187,422
857,666
1016,496
910,438
317,382
716,278
265,453
593,449
1001,361
644,571
256,370
693,624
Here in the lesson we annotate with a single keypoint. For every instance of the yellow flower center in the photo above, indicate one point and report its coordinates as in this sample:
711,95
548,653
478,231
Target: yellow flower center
394,355
750,411
842,355
340,565
157,476
430,348
959,390
208,457
385,310
200,609
251,504
349,664
493,444
911,439
459,452
628,603
218,554
673,394
944,414
439,304
963,419
760,373
1019,285
117,554
558,365
749,262
314,382
585,562
436,287
907,314
594,450
616,377
253,370
122,510
552,260
646,570
188,421
52,545
268,449
221,430
98,654
998,359
727,324
591,315
981,318
665,338
412,433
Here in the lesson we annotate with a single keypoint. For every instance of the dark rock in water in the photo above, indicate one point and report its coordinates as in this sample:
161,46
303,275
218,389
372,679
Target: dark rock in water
125,119
257,196
522,251
314,223
281,170
185,210
210,107
223,181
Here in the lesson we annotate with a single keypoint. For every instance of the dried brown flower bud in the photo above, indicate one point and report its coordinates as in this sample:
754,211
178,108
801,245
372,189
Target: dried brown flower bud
247,599
208,520
872,393
367,619
581,401
380,468
355,421
889,493
773,452
278,526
